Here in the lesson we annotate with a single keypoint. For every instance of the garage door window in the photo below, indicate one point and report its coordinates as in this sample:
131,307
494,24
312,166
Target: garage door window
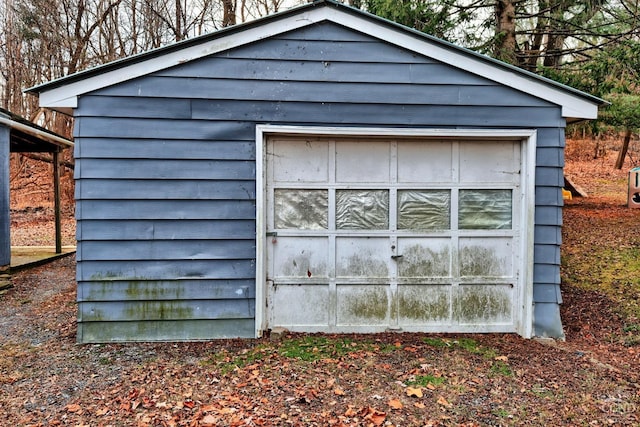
301,209
485,210
424,209
362,209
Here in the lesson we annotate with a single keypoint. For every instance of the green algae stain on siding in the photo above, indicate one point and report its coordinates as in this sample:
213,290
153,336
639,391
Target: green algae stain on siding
153,290
158,310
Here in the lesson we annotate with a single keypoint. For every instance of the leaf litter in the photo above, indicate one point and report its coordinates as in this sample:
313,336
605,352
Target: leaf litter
393,379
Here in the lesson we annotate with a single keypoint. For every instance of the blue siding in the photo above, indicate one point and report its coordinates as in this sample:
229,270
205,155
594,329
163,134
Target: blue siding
166,171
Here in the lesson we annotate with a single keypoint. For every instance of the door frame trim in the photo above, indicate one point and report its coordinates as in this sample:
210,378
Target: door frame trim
524,321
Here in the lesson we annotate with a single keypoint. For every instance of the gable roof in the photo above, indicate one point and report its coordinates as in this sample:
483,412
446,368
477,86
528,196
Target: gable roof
62,94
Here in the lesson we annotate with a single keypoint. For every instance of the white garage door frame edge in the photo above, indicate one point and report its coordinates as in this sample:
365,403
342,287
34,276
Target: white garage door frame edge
528,137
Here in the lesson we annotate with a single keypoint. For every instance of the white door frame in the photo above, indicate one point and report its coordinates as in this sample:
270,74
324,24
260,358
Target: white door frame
524,321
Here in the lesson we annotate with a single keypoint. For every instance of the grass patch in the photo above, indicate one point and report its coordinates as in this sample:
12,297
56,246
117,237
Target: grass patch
467,344
312,348
425,380
611,271
305,348
500,368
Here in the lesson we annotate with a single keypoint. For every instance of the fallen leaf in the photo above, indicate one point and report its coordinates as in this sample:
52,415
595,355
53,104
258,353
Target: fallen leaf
350,412
419,405
395,404
73,407
442,401
414,392
502,358
375,416
101,412
338,392
209,420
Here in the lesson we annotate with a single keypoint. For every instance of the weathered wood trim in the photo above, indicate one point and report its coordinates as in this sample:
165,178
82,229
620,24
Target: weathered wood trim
56,201
5,221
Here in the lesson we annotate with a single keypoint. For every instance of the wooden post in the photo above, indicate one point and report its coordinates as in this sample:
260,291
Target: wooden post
5,221
56,200
623,150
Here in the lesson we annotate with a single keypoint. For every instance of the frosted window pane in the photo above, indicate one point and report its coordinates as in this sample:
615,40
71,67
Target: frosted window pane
301,209
362,209
484,209
424,210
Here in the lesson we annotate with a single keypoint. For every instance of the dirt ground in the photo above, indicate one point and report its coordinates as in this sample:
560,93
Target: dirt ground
592,378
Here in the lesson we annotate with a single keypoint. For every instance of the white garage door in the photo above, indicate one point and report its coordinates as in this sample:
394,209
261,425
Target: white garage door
373,234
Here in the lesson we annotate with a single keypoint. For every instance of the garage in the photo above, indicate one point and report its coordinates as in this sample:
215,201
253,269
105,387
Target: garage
319,169
369,233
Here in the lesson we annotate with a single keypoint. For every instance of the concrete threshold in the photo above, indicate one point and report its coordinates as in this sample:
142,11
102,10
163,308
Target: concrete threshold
23,257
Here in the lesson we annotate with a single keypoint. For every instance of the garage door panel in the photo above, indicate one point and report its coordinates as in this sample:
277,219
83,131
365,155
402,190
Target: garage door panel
295,161
299,305
363,305
490,161
489,304
424,305
371,234
413,156
363,161
486,257
301,257
424,257
362,257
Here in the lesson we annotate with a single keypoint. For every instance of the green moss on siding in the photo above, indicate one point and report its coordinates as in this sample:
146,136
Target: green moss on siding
158,310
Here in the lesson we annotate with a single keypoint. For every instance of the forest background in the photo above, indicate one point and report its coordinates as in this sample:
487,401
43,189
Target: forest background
592,45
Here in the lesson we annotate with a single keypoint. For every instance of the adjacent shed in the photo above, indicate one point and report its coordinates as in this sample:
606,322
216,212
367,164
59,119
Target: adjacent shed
320,169
22,136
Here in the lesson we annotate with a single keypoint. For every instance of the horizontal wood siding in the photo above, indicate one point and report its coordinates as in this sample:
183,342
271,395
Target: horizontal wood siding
166,169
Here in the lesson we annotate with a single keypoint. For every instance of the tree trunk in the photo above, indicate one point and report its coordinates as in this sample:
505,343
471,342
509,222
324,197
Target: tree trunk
228,13
623,150
505,35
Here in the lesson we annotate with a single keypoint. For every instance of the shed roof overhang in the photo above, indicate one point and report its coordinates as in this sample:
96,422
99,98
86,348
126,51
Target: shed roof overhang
62,94
29,137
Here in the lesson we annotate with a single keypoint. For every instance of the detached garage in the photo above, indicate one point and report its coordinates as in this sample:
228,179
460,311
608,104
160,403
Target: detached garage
319,170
